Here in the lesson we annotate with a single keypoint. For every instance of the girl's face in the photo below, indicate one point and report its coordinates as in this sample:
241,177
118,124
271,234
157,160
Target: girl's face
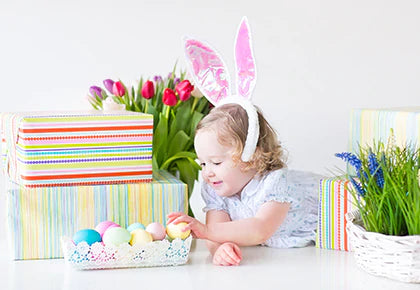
218,168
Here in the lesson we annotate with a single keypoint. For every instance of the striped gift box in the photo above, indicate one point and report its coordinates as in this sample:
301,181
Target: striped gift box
39,217
335,200
63,149
368,125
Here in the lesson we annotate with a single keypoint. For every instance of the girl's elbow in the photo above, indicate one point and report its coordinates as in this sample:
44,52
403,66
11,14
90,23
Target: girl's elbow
262,236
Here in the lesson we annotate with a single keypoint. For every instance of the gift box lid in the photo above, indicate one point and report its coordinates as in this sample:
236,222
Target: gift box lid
371,125
77,148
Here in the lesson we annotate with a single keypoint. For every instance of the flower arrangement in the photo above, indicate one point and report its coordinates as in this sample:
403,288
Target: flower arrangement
176,106
386,187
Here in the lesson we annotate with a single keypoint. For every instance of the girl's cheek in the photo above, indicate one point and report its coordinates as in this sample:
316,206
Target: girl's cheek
205,179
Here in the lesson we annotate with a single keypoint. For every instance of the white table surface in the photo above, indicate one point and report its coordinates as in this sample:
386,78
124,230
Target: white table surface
262,268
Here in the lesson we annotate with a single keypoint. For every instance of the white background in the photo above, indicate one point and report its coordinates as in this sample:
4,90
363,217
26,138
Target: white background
316,59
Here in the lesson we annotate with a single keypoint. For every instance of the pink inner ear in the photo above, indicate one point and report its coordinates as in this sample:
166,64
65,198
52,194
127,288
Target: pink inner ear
208,70
245,63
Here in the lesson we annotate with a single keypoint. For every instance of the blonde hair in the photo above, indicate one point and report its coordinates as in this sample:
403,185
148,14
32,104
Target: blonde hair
231,124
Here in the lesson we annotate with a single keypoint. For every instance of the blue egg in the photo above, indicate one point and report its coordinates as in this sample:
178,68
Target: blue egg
135,226
88,235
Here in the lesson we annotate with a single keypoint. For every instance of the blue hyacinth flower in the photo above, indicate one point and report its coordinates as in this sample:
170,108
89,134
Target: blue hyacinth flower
352,160
375,170
360,191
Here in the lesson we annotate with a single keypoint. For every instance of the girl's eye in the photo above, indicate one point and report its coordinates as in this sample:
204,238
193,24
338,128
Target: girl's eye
202,164
217,163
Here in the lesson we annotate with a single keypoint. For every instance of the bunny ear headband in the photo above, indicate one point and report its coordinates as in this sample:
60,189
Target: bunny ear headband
211,76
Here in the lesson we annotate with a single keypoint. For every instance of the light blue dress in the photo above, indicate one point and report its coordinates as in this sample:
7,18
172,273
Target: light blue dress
298,188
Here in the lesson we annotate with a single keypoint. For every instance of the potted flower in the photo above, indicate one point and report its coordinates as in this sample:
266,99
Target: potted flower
176,106
385,230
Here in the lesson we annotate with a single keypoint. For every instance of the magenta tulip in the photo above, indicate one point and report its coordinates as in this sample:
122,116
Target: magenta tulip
169,97
148,90
108,83
96,92
118,89
184,90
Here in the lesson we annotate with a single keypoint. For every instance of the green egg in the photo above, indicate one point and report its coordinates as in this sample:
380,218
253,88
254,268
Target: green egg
116,236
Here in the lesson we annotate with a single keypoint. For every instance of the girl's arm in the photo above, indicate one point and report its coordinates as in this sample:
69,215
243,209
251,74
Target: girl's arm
250,231
245,232
212,217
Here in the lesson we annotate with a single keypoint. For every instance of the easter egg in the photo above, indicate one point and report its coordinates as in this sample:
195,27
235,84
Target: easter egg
103,226
135,226
116,236
87,235
140,236
175,231
157,231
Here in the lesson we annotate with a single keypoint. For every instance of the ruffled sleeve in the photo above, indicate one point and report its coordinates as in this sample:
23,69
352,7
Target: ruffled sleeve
212,200
275,188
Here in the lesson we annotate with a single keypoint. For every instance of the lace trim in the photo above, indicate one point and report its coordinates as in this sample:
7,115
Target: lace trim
100,256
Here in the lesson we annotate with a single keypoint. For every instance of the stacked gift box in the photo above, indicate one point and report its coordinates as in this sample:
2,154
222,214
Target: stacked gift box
68,171
367,126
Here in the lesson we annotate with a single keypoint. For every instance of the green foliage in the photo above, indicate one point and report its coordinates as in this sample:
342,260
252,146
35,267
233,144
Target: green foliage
389,194
174,127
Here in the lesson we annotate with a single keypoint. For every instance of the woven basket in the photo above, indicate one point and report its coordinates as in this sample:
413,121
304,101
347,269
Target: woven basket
395,257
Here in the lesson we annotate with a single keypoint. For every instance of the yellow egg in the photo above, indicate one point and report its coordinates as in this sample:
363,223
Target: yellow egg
140,236
175,231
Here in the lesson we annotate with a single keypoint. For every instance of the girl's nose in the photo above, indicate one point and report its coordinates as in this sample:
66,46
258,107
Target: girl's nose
208,172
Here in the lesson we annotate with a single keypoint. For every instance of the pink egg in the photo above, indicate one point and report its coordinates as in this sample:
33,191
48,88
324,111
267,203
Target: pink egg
157,231
103,226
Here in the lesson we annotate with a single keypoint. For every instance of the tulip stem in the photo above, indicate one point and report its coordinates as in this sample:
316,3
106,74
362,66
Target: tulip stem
167,112
146,107
194,105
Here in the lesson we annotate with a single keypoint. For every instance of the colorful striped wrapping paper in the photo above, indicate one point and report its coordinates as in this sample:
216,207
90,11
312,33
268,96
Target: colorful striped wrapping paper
77,148
39,217
335,200
368,125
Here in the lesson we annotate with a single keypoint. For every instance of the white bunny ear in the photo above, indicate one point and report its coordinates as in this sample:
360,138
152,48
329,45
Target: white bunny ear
208,70
244,60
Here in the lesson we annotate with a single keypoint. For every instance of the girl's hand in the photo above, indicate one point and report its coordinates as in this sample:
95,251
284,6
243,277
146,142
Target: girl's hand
227,254
198,230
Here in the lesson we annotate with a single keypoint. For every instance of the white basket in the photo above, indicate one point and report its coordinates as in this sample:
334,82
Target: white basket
395,257
100,256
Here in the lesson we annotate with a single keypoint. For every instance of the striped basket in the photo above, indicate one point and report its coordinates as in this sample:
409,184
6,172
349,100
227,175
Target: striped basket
394,257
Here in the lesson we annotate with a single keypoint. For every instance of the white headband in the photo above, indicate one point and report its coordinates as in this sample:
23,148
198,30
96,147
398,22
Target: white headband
253,125
210,74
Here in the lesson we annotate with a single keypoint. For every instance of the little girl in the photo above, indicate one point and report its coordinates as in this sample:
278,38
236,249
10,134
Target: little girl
251,198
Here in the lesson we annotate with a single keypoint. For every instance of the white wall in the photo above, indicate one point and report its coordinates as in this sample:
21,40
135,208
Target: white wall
316,59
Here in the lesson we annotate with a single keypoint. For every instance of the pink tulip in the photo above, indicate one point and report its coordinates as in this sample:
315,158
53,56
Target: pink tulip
169,97
118,89
184,90
148,90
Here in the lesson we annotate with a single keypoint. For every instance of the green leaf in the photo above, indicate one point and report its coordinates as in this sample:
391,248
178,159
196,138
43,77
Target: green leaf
195,119
155,165
187,174
177,143
202,106
173,128
179,155
183,117
155,113
160,138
